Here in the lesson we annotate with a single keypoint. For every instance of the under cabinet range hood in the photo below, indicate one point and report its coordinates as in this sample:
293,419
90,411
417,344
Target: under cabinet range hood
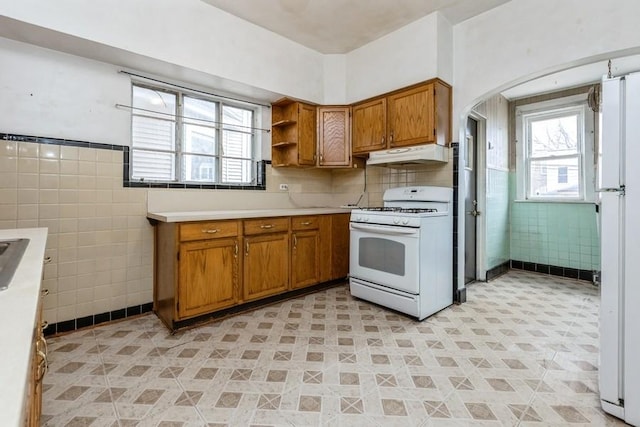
409,156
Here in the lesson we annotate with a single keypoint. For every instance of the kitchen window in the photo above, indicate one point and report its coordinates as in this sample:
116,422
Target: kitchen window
178,137
555,151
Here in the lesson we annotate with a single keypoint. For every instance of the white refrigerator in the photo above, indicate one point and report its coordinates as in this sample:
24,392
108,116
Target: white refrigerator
620,248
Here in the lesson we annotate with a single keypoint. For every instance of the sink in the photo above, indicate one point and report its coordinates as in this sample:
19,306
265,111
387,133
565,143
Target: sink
11,252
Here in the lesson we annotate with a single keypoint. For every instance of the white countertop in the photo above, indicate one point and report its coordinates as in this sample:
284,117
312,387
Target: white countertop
18,310
240,214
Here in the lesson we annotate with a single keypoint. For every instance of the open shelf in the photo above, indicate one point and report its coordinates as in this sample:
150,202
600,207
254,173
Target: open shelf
283,123
283,144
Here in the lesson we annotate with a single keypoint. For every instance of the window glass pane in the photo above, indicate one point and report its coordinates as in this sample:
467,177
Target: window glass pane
239,119
555,178
154,100
236,144
152,165
236,171
153,134
195,109
198,168
554,136
199,139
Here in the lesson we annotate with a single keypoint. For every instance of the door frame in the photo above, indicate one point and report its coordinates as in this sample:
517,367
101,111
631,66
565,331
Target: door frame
481,194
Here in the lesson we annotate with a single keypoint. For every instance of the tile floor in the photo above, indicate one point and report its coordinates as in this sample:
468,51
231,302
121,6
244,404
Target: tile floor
522,351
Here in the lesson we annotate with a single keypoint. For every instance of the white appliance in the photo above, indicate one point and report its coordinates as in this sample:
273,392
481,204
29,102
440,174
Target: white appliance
401,255
620,248
409,156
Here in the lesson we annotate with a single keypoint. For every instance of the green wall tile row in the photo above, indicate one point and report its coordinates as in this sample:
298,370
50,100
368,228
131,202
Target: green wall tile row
497,218
560,234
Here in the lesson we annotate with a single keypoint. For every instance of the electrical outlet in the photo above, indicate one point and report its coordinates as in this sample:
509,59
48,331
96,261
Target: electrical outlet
284,187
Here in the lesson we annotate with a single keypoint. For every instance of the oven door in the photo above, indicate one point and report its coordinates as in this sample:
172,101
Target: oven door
385,255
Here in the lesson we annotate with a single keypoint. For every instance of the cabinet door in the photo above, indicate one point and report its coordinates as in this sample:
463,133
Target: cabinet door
266,265
411,117
305,259
339,245
306,134
334,136
369,126
209,273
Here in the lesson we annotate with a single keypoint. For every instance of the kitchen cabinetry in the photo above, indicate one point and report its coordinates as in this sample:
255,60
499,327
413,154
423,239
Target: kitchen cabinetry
305,251
334,246
37,370
369,126
210,266
293,133
266,264
420,114
334,138
202,267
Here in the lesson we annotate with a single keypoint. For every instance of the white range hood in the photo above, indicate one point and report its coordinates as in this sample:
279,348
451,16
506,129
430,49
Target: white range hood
409,156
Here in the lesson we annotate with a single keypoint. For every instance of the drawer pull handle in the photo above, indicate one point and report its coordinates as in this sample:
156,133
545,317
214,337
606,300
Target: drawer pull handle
44,292
211,231
305,223
266,226
246,248
43,366
295,241
235,250
47,259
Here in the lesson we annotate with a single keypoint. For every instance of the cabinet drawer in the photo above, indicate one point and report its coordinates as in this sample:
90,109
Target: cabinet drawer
266,225
308,222
208,230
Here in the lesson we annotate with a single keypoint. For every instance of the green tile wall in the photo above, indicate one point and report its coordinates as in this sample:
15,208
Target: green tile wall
497,218
560,234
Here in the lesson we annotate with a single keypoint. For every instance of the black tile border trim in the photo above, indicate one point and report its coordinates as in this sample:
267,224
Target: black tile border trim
553,270
498,270
261,182
96,319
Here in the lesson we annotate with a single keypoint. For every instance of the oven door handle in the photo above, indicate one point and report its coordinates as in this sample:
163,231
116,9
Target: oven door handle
381,229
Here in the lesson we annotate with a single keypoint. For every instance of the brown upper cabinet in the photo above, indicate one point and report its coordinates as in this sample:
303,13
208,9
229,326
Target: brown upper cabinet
420,114
293,138
334,137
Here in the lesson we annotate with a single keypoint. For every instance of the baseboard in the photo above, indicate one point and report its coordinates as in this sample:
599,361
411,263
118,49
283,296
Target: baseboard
96,319
570,273
460,296
498,270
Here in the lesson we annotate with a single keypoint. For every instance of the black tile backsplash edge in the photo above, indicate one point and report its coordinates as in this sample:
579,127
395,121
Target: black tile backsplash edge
553,270
96,319
261,183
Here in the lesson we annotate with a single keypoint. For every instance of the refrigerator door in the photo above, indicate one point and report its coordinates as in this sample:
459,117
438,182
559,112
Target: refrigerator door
631,292
612,249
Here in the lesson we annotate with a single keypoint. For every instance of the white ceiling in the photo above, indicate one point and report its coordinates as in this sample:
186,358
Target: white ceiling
340,26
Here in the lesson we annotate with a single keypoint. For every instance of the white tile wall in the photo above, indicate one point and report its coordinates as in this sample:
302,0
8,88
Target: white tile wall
99,241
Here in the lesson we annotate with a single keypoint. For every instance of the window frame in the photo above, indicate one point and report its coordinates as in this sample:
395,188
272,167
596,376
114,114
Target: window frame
180,152
525,114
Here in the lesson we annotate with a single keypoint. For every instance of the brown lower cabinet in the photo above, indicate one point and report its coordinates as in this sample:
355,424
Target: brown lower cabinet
205,266
38,367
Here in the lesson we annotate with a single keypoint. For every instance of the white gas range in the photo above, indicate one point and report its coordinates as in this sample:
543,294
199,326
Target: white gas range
401,255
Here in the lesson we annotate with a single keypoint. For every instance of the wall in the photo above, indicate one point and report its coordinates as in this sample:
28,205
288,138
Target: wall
557,234
414,53
496,218
163,37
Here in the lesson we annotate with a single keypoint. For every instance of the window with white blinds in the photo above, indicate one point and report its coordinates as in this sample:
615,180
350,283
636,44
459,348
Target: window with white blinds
178,137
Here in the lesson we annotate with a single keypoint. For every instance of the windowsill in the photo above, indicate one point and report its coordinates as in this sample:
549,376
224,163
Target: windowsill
562,201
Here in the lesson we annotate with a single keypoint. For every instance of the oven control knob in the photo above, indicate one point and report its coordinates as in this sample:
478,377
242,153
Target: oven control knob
396,220
366,219
405,221
358,218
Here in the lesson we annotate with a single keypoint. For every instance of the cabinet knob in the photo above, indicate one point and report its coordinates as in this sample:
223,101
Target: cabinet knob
211,231
44,292
44,325
47,259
